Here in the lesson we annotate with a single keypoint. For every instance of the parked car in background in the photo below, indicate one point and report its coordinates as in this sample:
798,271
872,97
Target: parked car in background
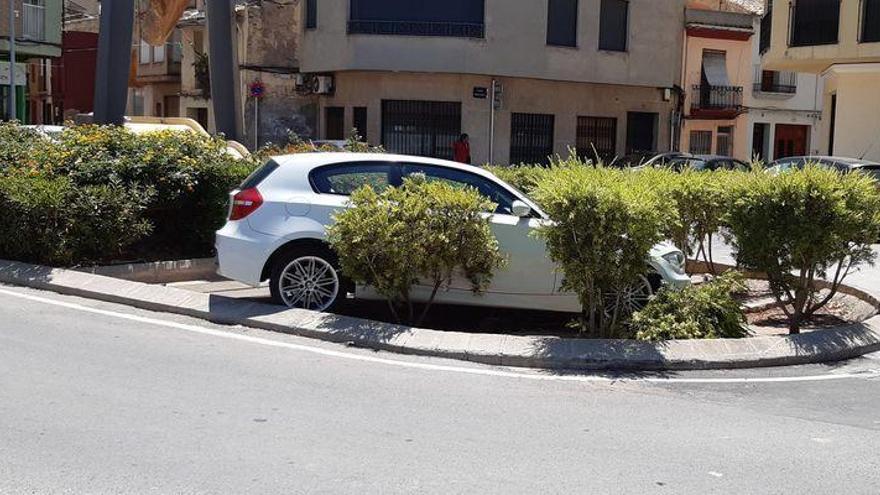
277,229
706,163
842,164
648,159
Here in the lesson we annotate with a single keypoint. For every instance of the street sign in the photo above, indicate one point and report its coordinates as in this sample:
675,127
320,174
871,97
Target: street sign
481,92
20,74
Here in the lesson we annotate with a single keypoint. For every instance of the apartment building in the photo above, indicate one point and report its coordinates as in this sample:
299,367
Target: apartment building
526,79
155,85
38,42
269,103
735,106
840,40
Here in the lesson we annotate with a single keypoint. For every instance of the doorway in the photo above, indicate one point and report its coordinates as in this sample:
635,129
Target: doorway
790,140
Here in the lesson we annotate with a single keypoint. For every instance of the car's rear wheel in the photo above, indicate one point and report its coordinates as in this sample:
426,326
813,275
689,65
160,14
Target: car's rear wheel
307,279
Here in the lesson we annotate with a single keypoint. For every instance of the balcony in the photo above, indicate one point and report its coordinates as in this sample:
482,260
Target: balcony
716,102
33,20
774,82
417,28
159,63
814,22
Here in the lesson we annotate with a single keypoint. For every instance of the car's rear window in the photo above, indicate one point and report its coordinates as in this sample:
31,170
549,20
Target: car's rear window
872,170
259,175
344,179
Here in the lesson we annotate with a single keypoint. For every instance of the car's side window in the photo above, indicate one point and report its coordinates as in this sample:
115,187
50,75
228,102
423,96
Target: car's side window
345,178
486,187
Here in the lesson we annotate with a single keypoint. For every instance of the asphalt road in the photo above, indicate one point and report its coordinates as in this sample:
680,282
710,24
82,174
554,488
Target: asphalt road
100,398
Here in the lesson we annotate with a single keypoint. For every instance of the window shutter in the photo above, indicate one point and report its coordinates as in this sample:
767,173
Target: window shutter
562,22
613,25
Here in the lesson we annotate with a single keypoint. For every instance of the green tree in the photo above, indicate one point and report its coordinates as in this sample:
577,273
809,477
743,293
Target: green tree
802,226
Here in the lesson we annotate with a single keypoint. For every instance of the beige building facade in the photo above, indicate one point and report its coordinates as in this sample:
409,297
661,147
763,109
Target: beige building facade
523,78
838,40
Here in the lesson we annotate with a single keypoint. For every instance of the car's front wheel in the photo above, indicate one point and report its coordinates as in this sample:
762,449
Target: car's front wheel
307,279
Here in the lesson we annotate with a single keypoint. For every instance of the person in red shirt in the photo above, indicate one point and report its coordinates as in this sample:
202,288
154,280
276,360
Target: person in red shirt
461,149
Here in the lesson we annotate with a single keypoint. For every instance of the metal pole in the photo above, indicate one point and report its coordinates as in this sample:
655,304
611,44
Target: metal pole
256,123
221,57
114,61
492,125
12,103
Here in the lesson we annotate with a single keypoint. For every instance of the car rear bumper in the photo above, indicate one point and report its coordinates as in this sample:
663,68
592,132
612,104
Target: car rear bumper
242,253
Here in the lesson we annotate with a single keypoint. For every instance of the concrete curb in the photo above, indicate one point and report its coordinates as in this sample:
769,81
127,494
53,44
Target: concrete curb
159,272
507,350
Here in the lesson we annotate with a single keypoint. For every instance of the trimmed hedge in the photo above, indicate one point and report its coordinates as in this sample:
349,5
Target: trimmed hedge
100,194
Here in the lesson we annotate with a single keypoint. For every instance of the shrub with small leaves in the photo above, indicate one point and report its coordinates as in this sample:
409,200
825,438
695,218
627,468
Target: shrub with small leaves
705,311
422,233
801,226
604,223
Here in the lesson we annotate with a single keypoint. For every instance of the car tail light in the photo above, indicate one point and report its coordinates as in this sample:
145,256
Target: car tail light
244,203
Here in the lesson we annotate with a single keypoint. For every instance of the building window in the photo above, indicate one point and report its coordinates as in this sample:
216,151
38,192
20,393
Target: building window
641,132
531,138
760,142
334,123
311,14
33,19
870,21
724,141
814,22
421,128
360,122
700,143
597,138
145,53
159,53
613,25
451,18
562,22
766,28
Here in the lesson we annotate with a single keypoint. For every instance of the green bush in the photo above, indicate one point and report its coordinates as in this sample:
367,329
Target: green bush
605,222
47,219
523,177
701,201
800,226
706,311
423,232
178,180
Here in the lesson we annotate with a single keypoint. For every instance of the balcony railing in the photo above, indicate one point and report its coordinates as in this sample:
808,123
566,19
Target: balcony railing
768,81
33,21
766,29
716,98
417,28
814,22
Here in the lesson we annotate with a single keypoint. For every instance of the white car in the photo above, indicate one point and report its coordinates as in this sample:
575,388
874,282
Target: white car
277,229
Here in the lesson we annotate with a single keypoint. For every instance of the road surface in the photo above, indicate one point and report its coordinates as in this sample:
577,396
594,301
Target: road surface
102,398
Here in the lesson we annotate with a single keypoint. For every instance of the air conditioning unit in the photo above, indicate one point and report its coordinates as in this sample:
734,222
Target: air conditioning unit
325,85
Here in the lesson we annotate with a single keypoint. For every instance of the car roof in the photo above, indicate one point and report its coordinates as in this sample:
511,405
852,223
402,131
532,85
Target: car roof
312,160
853,162
716,157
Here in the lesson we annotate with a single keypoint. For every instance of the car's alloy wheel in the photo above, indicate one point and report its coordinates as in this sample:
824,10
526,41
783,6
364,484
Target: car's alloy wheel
309,282
628,300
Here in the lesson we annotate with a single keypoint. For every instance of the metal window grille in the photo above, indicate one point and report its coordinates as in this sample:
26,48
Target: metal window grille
450,18
422,128
706,97
814,22
724,141
531,138
770,81
334,123
701,142
360,122
33,19
597,138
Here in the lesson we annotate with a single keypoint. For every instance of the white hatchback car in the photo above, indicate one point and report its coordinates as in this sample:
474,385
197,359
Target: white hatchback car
277,229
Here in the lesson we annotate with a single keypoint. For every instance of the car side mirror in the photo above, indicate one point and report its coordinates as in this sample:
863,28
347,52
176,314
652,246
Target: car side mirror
520,209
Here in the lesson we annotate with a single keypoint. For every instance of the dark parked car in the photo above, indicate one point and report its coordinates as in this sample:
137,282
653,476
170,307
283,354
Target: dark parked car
648,158
707,163
843,164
